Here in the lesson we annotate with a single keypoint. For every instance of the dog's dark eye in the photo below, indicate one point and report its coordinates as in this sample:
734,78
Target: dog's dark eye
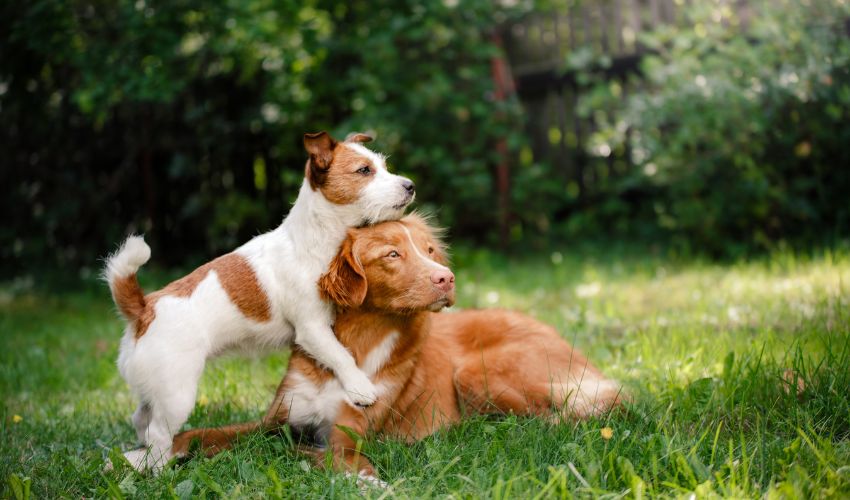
430,249
393,255
364,170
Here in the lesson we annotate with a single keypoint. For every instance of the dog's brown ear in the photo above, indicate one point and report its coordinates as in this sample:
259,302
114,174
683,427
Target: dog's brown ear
345,282
320,147
359,137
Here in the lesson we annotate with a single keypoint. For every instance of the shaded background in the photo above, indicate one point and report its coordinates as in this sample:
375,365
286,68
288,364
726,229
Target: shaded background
710,127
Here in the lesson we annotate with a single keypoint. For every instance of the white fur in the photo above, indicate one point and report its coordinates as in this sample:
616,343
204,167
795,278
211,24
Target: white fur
318,406
312,405
365,481
133,254
585,396
378,356
163,366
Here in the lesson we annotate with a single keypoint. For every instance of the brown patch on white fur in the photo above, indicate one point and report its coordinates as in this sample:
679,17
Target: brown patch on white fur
333,167
343,182
235,275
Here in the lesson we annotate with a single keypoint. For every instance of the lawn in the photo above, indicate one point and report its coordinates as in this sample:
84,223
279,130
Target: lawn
739,374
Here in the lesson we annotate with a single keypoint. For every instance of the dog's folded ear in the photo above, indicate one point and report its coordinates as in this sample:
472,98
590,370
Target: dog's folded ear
320,146
345,282
358,137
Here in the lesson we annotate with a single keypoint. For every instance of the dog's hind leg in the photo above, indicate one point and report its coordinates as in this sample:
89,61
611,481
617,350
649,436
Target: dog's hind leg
213,440
556,396
168,415
142,419
170,399
488,391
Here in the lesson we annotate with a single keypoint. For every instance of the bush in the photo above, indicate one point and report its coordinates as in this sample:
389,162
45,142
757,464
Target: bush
184,119
742,140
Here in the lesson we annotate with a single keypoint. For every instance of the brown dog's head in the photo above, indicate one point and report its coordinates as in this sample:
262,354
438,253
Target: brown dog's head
394,266
355,179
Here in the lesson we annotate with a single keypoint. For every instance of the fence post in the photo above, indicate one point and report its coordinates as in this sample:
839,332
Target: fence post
503,88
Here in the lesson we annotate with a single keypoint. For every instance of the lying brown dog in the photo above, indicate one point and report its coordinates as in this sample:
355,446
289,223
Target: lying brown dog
431,369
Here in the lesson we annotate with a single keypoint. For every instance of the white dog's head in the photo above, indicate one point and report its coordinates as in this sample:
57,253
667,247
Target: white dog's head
349,174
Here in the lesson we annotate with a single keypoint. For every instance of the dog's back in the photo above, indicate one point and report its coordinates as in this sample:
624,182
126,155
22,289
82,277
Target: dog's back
508,362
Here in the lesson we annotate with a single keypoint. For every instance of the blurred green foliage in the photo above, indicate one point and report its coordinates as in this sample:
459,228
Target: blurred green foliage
184,119
735,142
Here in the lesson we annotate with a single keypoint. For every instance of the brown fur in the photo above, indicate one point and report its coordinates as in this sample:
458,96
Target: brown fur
235,275
332,167
215,440
345,281
443,366
128,296
365,254
320,147
358,137
343,183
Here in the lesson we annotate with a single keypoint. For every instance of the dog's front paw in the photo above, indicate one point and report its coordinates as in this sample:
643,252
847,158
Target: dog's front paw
362,392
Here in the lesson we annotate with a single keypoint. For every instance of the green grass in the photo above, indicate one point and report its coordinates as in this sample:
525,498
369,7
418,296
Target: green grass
701,348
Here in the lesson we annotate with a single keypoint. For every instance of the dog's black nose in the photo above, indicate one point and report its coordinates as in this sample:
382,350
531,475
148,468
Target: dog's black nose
409,185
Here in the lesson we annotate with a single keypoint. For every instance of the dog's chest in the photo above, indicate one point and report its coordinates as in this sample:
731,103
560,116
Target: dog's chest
316,405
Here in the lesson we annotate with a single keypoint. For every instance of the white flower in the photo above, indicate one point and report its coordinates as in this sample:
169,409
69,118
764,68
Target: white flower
587,290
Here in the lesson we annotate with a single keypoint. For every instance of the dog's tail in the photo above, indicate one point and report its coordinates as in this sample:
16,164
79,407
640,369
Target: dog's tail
120,273
212,441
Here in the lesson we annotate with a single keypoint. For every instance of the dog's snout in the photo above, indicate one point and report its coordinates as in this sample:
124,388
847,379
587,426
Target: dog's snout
443,279
408,185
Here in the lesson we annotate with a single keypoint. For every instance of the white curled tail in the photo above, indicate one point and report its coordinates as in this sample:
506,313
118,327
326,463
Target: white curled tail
120,273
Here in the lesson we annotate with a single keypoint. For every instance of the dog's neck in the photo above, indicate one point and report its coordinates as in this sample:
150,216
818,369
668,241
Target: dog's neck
316,225
361,330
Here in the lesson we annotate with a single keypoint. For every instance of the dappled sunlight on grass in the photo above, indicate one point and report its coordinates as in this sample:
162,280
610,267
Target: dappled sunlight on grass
676,320
704,350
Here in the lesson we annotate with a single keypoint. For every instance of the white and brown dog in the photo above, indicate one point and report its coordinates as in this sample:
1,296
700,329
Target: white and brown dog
261,295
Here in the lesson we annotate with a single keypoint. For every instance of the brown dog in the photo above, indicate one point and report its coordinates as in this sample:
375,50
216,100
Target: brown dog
431,369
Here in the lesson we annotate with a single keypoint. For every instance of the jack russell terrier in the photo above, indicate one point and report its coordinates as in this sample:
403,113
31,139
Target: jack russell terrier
262,295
